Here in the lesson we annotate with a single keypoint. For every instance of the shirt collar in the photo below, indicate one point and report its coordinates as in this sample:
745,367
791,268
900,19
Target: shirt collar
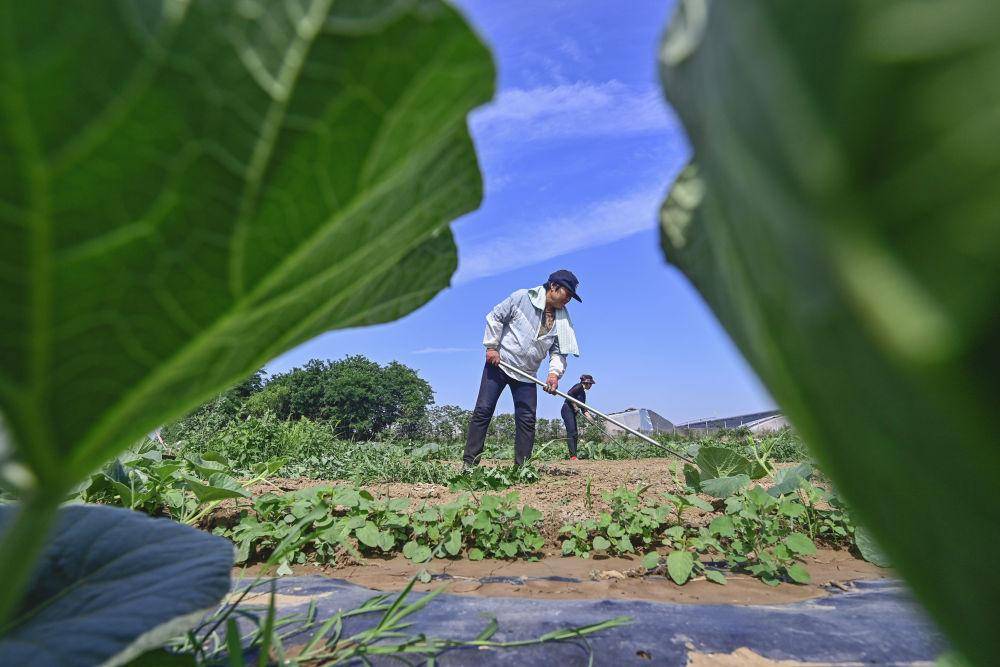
537,296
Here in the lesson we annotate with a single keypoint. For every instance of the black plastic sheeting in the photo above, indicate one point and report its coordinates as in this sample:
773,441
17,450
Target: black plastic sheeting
876,622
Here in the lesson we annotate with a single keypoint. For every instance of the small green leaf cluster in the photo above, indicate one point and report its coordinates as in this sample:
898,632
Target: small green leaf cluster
687,543
303,523
683,563
827,517
493,527
760,534
630,526
321,523
494,478
763,535
501,530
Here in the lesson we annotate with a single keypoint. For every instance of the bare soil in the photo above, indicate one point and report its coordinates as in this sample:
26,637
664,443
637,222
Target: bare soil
556,577
562,497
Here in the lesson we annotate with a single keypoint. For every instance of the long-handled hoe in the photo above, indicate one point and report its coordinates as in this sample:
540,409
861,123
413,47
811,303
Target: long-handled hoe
589,408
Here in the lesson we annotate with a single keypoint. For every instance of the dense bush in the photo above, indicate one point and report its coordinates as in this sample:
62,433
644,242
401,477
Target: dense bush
202,423
256,439
312,449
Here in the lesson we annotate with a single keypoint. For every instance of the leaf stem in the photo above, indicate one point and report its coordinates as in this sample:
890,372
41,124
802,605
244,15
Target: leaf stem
20,547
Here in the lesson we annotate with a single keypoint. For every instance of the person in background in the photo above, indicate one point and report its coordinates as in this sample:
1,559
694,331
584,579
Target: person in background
520,331
579,392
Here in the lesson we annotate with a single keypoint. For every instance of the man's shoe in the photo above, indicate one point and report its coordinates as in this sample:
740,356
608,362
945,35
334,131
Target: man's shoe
468,469
573,458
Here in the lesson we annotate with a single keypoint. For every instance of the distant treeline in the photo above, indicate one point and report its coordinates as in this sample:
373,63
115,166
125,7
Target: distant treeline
353,398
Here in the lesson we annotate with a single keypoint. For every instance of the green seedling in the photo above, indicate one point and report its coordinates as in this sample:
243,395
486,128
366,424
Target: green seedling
759,535
631,525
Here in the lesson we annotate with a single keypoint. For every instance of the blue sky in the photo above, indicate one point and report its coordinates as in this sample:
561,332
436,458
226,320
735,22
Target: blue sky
577,150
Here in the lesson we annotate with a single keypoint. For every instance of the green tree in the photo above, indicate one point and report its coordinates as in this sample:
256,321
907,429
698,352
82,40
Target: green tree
502,428
359,397
249,386
303,390
549,429
446,423
407,398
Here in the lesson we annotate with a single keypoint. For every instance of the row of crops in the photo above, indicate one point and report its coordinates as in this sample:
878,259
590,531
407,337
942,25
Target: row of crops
719,519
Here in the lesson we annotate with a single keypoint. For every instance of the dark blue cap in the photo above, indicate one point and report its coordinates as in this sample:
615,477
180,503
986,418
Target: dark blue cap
567,280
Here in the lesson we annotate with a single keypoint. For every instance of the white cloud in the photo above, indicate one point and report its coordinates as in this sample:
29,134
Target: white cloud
579,109
444,350
529,242
571,48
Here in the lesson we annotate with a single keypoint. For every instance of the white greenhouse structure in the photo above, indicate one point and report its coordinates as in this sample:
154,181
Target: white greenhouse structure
643,420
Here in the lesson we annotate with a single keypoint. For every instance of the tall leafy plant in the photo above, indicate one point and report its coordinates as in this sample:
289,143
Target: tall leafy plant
841,218
189,188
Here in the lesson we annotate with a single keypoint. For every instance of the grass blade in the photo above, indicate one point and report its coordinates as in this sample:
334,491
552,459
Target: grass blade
233,644
268,629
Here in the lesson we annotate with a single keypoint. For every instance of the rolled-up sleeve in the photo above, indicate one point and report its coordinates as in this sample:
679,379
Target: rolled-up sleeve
495,321
557,360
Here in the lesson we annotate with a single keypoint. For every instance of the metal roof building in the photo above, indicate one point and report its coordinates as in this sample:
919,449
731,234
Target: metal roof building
642,420
756,422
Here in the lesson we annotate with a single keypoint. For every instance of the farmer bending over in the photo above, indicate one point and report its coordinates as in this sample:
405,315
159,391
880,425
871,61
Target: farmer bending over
521,331
579,392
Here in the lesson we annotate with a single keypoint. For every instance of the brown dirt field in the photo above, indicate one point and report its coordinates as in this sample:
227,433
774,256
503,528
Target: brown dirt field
561,497
606,578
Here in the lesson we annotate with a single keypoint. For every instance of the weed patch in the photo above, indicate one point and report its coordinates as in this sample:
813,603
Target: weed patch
485,478
186,489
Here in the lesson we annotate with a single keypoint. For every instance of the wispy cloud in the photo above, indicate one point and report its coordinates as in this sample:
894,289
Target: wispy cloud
596,224
584,108
444,350
571,48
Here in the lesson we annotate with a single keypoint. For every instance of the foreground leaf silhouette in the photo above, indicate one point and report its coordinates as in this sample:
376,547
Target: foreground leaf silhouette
209,187
188,189
111,577
841,220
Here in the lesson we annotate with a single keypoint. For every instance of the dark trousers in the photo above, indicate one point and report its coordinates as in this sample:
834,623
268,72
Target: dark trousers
525,402
569,418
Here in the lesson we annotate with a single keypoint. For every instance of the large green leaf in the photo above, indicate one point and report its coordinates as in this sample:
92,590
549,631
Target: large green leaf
870,551
679,566
722,462
843,222
189,188
723,487
788,480
112,584
219,487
